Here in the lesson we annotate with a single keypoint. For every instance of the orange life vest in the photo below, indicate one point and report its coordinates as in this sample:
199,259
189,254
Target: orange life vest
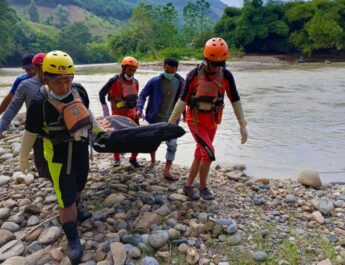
74,114
207,92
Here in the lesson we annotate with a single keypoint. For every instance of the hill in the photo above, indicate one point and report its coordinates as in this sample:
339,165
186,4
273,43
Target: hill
98,26
217,6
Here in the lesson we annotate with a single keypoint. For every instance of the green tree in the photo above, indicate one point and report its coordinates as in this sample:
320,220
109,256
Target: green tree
8,26
317,25
196,21
32,10
61,15
255,27
73,39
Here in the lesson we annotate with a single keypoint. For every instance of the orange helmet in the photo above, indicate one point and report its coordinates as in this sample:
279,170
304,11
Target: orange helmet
216,50
128,60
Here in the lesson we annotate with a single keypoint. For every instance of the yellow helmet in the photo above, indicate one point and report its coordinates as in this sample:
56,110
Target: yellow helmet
58,62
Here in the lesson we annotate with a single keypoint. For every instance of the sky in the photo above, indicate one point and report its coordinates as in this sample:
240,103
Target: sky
233,2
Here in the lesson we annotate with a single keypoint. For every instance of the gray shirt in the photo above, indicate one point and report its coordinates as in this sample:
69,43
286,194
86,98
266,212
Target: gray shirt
24,93
169,90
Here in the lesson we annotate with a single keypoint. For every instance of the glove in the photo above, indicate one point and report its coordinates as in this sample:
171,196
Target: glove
176,113
105,110
237,106
28,141
24,165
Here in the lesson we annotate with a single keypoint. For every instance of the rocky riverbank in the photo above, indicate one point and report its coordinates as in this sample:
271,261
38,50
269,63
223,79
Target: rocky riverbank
140,218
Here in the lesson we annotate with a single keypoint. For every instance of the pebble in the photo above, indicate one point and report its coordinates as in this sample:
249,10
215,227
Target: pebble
50,235
260,256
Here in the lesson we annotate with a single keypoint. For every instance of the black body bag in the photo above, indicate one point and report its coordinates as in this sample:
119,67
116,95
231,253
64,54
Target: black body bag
129,137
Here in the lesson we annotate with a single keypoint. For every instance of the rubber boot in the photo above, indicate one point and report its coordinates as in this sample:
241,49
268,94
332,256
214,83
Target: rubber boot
82,215
74,249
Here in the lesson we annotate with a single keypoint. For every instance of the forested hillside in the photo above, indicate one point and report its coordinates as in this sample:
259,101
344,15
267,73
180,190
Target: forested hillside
151,31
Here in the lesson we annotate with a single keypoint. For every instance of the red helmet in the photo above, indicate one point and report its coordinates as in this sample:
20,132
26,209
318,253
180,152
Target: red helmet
128,60
38,58
216,50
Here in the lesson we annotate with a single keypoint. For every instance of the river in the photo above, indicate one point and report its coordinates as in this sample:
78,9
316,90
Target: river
296,118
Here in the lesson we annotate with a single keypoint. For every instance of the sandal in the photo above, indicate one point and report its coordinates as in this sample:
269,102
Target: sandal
171,177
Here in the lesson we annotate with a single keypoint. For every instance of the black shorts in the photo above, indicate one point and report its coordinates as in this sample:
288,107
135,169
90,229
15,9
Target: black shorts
66,186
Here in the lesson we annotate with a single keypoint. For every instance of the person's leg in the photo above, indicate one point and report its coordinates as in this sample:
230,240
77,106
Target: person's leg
116,161
82,164
203,173
170,157
193,172
66,189
207,156
153,159
133,160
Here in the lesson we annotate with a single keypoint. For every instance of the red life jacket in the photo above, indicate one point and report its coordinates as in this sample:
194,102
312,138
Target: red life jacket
207,92
129,94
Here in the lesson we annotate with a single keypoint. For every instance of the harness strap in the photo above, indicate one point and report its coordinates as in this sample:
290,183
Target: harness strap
69,157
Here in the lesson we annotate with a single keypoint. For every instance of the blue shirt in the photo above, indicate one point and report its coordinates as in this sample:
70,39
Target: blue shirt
16,83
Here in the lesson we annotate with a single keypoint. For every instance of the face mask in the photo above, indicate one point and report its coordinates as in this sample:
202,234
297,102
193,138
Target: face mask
59,97
168,76
128,78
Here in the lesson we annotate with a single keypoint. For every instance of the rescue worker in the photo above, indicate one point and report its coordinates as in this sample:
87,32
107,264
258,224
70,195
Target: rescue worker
122,91
163,92
24,93
59,115
29,72
204,93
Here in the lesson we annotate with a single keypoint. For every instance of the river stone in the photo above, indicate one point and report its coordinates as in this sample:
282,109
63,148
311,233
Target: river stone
113,199
6,236
325,206
118,251
317,216
178,197
3,151
149,261
32,209
4,180
147,220
17,218
158,238
16,250
192,256
50,235
174,234
232,228
24,202
134,253
260,256
6,156
163,210
33,220
28,179
40,257
10,226
15,261
339,203
4,213
310,178
50,199
290,198
325,262
10,203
